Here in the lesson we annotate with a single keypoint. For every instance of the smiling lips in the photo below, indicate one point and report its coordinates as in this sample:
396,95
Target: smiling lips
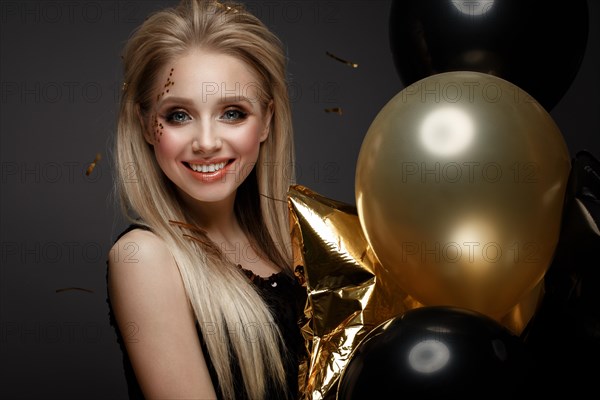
208,172
207,167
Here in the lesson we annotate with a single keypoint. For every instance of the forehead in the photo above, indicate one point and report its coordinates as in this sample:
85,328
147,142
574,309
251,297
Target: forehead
203,73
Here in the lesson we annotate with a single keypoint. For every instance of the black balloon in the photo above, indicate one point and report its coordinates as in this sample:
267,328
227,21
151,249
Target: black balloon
564,334
536,45
437,352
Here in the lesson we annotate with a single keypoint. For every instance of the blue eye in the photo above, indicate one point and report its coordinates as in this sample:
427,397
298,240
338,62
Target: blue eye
178,117
234,115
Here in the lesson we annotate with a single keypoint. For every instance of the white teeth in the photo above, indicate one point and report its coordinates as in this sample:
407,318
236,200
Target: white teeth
207,168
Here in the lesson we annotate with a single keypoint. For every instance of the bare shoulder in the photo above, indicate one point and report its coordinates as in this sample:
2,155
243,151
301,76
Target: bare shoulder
141,267
153,312
137,246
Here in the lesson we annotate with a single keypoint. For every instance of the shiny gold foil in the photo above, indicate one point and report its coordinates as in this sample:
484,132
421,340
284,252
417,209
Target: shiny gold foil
348,293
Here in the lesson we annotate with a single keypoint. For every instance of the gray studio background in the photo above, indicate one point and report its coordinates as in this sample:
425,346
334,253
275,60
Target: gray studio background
60,82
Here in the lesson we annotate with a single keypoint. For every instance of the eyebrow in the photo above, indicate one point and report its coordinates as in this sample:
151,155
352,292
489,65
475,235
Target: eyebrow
236,99
190,102
178,100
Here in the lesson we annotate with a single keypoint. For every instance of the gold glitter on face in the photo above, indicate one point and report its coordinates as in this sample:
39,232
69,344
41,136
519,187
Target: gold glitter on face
166,86
157,128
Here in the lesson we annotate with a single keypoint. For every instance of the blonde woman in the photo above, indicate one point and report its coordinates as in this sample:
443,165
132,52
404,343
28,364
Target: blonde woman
205,303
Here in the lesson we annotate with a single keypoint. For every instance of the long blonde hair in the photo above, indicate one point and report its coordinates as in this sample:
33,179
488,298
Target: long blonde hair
225,303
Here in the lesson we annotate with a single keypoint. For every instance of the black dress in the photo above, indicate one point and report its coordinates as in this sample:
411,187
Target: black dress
285,298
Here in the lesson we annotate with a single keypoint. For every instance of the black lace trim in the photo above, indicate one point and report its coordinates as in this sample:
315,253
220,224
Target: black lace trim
262,280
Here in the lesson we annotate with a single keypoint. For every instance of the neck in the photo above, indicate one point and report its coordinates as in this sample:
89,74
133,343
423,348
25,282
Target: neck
216,218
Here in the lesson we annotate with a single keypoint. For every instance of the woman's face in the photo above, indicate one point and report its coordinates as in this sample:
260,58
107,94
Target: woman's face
207,124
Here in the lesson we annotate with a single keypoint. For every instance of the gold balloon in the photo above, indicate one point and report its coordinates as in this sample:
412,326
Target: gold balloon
460,183
517,319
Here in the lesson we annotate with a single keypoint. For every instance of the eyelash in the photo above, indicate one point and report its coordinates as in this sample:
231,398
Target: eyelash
170,117
241,115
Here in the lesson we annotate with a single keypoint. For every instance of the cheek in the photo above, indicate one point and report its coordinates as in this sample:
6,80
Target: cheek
168,149
249,144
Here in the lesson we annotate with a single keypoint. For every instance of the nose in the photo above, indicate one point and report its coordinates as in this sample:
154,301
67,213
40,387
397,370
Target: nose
206,139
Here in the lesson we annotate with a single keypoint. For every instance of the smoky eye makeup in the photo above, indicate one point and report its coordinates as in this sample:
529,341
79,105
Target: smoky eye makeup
176,116
234,114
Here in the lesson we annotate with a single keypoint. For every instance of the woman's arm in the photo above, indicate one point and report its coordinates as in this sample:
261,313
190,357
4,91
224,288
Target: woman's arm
156,320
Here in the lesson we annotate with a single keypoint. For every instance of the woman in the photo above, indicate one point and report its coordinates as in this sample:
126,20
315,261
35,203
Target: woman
203,154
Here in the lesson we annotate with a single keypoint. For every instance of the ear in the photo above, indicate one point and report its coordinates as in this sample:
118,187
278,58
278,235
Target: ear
144,124
267,121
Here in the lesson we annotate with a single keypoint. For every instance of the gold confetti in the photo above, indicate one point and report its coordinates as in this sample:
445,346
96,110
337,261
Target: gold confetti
336,110
74,288
91,167
226,7
351,64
